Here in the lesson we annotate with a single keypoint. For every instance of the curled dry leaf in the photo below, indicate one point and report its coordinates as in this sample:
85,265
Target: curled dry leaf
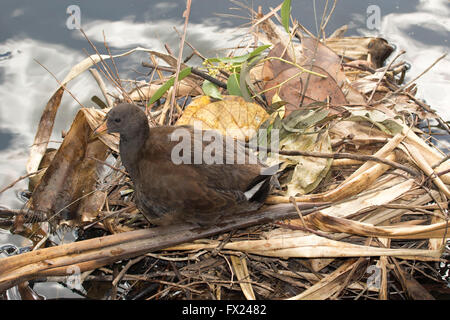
359,132
45,162
241,270
332,283
71,176
330,223
232,115
44,131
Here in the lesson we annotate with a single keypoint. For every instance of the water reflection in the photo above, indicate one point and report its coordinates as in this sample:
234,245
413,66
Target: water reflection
33,31
424,34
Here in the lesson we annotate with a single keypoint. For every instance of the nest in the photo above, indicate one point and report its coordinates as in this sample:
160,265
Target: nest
362,209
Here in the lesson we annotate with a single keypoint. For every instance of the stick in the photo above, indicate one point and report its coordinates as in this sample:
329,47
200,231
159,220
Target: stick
342,155
193,70
20,178
94,253
186,14
101,85
60,84
382,76
421,74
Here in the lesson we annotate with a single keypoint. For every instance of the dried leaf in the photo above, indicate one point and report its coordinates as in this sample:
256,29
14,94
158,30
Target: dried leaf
313,246
233,113
146,91
44,131
323,57
71,175
289,85
241,271
376,50
308,172
328,285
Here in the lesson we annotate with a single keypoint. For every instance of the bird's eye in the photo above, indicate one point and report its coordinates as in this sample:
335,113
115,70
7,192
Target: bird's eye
117,120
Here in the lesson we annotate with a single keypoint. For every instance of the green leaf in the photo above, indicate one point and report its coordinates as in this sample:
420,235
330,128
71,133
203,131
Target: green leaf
378,118
233,85
304,119
393,126
240,59
210,89
243,82
168,84
308,172
285,14
258,50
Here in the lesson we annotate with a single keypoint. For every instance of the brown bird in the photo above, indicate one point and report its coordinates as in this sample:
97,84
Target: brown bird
167,191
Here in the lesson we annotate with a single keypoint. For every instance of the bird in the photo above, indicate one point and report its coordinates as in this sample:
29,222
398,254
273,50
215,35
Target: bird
169,192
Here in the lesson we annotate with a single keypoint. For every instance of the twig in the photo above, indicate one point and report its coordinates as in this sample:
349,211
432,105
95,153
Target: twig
382,76
421,74
442,172
60,84
186,14
97,252
20,178
342,155
194,51
443,124
105,66
294,203
101,85
108,165
413,80
112,59
193,70
434,166
125,269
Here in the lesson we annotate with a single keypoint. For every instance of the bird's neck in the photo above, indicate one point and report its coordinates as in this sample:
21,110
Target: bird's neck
130,147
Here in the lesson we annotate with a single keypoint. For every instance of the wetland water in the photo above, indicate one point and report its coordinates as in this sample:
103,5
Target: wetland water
37,30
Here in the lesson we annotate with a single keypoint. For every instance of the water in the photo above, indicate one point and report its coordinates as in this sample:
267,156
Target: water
37,30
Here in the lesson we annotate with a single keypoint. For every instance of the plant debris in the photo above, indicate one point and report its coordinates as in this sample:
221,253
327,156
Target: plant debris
362,209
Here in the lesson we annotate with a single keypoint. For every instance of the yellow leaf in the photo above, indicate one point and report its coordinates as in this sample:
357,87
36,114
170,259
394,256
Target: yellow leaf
232,116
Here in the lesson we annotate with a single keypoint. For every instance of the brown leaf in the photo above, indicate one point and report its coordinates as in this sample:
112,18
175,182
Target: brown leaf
71,175
319,88
273,67
323,57
44,131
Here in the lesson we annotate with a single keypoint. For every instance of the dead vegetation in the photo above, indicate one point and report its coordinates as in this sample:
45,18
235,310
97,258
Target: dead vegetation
362,213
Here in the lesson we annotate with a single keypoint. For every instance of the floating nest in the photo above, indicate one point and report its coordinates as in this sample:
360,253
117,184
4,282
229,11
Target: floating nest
361,212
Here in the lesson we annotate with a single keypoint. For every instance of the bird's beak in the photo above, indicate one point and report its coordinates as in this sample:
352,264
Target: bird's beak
101,129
